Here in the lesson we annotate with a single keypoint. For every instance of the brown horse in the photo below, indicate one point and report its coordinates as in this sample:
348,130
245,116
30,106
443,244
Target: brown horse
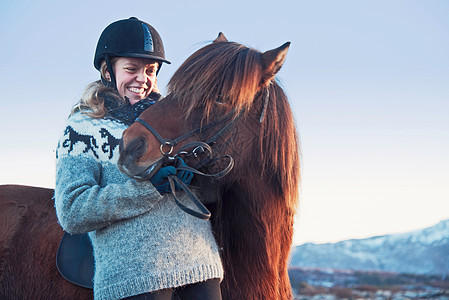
253,215
228,83
29,238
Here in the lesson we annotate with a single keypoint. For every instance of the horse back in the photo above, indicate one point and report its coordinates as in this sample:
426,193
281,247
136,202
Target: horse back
29,238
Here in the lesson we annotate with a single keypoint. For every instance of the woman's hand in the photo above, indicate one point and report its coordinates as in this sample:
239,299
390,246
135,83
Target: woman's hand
184,175
160,181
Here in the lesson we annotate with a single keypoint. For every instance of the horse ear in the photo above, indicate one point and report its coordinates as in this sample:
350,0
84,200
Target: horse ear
272,62
221,38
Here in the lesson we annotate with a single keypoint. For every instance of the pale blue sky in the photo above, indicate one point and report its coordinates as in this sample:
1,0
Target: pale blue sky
368,82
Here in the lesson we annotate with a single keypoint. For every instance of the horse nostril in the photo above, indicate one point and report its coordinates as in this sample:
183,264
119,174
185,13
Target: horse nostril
136,148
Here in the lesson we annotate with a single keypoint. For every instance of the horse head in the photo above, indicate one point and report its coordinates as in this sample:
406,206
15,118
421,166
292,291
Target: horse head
220,79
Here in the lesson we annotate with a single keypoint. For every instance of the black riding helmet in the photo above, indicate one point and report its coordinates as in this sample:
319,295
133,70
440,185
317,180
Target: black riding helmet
128,38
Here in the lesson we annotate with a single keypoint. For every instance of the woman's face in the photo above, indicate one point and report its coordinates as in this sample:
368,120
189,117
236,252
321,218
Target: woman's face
135,77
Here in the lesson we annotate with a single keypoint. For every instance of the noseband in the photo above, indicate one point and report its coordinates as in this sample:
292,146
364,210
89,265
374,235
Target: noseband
199,147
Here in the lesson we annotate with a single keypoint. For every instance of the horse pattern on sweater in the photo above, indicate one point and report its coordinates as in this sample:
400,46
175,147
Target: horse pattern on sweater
101,143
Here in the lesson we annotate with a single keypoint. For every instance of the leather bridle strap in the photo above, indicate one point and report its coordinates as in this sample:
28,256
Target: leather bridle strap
174,142
209,161
204,148
203,212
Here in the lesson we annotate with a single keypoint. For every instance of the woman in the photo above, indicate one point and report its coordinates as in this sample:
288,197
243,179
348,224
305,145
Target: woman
145,247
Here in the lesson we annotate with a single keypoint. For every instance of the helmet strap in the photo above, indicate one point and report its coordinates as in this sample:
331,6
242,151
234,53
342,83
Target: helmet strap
112,83
158,69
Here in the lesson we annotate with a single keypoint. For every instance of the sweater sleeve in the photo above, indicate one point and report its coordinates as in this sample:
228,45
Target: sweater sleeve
82,205
91,194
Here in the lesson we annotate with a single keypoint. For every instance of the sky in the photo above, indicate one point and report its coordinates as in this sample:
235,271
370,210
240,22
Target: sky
367,81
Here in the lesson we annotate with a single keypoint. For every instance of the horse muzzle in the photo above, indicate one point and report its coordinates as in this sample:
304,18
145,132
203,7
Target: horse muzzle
130,160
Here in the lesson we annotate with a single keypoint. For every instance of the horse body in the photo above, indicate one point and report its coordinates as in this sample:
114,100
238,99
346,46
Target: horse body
255,204
29,238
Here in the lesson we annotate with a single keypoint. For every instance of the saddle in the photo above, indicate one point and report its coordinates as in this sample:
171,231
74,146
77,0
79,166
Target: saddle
75,259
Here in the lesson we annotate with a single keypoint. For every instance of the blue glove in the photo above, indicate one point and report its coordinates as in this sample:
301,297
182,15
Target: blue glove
160,181
185,176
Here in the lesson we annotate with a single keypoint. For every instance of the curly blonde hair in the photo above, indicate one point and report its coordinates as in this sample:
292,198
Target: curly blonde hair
92,100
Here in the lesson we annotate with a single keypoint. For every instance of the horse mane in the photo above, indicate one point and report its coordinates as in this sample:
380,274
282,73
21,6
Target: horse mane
220,73
226,75
279,145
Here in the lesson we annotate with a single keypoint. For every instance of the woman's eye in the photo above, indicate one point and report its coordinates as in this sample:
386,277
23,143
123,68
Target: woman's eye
130,69
151,71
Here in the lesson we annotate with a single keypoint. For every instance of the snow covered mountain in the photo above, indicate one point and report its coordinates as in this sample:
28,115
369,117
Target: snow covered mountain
424,251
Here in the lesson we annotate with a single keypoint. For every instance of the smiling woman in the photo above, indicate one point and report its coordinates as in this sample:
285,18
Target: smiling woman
129,222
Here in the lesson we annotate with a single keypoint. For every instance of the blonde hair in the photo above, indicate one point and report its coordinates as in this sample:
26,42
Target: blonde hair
92,100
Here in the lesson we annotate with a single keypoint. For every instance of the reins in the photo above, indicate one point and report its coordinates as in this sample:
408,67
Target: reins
199,148
203,212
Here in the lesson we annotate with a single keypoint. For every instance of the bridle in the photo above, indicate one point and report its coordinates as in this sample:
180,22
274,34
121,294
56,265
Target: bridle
229,117
173,142
199,147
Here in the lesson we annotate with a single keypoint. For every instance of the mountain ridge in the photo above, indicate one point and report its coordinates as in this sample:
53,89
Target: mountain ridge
422,251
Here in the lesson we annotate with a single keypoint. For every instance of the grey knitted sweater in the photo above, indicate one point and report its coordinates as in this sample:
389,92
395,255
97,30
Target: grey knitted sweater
142,241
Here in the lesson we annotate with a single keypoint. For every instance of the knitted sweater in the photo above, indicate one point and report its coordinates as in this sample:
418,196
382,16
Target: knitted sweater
142,241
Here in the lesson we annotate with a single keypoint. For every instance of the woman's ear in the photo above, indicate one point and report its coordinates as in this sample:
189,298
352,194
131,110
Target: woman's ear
107,75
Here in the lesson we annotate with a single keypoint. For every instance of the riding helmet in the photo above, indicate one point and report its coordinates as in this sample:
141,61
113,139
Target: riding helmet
128,38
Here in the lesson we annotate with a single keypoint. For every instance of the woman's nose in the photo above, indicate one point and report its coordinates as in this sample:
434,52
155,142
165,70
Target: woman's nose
142,76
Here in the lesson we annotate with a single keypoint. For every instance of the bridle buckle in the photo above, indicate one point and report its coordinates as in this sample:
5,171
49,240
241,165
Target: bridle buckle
166,143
